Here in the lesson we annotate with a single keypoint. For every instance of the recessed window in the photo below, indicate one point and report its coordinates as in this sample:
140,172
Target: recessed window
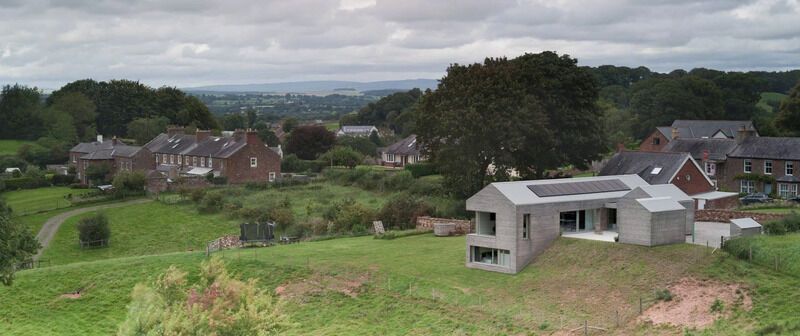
253,162
787,190
789,168
526,224
748,166
194,161
491,256
688,177
656,141
768,167
272,176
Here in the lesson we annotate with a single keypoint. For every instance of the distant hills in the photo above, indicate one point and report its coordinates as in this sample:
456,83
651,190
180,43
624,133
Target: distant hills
319,86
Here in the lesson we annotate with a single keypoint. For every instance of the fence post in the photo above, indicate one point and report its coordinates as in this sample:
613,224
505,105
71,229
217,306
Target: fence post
616,318
640,305
585,327
750,254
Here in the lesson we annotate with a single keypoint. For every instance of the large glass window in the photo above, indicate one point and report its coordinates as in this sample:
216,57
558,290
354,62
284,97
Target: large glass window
486,223
491,256
569,221
787,190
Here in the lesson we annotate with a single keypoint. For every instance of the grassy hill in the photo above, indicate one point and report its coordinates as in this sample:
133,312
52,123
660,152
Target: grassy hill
769,100
10,147
412,285
41,199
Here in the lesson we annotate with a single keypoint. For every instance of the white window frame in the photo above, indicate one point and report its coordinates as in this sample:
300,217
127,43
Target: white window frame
194,161
271,177
787,190
747,186
767,168
526,226
711,168
389,157
788,168
748,166
202,161
180,159
210,163
253,162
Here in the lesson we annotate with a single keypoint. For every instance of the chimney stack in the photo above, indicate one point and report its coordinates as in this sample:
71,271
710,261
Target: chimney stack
238,133
202,135
252,137
173,130
100,138
620,147
675,133
114,140
742,134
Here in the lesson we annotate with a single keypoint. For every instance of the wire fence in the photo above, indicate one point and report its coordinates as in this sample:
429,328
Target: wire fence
781,256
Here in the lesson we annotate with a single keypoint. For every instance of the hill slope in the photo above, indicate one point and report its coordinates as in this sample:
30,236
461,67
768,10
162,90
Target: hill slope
315,86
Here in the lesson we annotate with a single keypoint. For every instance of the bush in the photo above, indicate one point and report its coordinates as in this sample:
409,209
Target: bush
292,164
94,228
63,180
212,202
216,304
127,183
401,180
775,228
427,186
401,212
219,180
788,224
197,195
421,169
453,209
19,183
342,156
664,295
349,216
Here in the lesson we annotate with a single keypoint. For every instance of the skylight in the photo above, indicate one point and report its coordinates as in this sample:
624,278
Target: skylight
412,143
656,171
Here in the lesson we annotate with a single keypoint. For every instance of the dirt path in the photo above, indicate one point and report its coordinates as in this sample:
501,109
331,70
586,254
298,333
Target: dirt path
51,226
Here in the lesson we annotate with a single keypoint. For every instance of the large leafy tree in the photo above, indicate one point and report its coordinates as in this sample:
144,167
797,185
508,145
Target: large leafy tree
788,119
394,111
307,142
145,129
82,111
19,111
660,100
17,244
533,113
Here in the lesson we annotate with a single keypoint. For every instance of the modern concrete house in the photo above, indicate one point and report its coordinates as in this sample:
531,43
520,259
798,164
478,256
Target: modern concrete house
516,221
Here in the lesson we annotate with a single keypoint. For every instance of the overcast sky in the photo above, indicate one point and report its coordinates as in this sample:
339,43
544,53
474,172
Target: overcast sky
198,42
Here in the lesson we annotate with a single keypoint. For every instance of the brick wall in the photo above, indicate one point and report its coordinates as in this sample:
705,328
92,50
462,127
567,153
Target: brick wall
725,216
425,223
692,180
648,142
731,202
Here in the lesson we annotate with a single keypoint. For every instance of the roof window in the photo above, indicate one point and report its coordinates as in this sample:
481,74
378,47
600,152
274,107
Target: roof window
656,171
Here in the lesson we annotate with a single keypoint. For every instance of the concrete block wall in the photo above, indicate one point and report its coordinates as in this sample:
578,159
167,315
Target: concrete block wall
667,227
633,222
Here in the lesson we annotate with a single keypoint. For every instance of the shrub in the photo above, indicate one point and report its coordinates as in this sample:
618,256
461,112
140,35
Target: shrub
421,169
401,211
197,195
427,186
291,163
63,180
401,180
718,306
776,228
342,156
19,183
349,216
126,183
216,304
94,228
788,224
212,202
454,208
664,295
282,216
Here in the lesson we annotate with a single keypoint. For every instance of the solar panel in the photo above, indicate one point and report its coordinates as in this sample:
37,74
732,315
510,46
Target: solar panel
577,188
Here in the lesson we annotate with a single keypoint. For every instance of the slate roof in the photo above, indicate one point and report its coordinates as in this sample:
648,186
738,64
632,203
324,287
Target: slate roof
184,144
407,146
776,148
718,149
360,129
91,147
666,131
645,164
707,128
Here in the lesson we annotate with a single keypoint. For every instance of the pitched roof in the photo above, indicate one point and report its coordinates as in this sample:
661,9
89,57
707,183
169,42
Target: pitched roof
707,128
357,129
776,148
185,144
90,147
718,149
660,204
653,167
125,151
745,223
407,146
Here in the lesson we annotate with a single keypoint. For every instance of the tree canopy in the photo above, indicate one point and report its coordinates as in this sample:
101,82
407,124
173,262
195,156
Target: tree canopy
532,113
788,119
18,244
307,142
394,111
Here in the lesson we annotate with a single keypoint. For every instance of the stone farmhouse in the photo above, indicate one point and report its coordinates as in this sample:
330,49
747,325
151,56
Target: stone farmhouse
401,153
516,221
693,129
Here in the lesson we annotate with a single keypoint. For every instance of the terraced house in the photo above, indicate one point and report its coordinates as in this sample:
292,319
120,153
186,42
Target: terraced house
114,153
240,158
764,164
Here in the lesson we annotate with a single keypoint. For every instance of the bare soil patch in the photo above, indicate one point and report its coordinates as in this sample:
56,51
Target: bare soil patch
692,301
346,284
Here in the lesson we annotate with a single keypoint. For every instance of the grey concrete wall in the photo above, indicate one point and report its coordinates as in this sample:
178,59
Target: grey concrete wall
689,205
490,199
633,222
667,227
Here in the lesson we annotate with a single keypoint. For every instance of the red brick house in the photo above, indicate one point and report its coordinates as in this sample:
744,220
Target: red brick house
240,158
114,153
693,129
679,169
764,164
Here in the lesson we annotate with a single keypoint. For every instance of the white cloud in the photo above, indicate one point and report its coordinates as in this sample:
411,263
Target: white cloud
195,42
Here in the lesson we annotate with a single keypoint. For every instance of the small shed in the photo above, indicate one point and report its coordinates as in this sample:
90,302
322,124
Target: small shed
741,227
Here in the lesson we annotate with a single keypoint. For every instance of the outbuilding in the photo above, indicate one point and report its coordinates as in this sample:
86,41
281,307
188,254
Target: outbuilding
741,227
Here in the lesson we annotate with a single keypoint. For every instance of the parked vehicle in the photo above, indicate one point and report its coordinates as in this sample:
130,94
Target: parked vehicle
795,199
755,198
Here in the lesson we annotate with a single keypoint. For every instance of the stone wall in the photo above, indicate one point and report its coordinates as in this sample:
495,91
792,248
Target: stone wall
724,216
425,223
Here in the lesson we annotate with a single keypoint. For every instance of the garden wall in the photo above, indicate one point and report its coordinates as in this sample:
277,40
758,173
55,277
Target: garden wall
425,223
724,216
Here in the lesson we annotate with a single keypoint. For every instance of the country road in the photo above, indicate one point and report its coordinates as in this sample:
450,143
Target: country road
51,226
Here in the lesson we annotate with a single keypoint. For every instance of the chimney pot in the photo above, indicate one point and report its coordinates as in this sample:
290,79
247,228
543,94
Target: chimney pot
675,133
173,130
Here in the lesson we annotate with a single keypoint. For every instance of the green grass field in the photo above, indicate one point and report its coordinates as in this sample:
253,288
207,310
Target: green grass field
28,201
771,251
142,229
774,210
770,97
413,285
309,199
10,147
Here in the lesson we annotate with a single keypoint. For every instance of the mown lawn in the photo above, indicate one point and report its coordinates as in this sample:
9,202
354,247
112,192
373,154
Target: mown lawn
415,285
142,229
27,201
10,147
